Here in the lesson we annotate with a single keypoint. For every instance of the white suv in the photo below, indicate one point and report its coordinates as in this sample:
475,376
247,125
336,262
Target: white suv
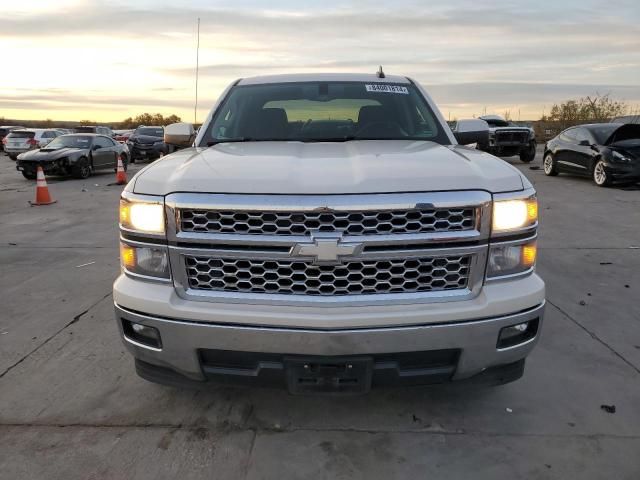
23,140
326,233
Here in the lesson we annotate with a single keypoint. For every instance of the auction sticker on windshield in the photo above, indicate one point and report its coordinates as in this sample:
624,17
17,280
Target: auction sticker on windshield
387,89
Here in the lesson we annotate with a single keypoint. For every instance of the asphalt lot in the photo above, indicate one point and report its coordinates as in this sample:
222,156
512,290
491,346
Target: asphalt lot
71,406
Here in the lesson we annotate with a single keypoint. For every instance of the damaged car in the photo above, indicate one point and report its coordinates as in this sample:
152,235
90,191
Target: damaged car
507,139
607,152
78,155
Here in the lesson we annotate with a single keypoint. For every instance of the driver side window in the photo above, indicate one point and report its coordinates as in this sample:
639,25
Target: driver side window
582,135
102,142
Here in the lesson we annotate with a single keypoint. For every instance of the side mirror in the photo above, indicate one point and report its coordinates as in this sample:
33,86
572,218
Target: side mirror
96,147
472,131
584,143
179,134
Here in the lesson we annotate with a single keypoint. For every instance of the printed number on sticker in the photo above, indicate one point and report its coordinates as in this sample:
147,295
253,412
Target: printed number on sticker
387,89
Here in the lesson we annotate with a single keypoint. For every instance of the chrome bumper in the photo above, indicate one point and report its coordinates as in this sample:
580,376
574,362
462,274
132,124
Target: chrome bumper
476,340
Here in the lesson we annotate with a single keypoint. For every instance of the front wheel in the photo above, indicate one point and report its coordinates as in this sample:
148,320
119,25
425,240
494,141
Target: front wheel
529,153
549,165
600,175
29,175
81,169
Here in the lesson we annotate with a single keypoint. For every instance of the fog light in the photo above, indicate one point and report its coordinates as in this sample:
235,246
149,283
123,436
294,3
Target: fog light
517,334
144,334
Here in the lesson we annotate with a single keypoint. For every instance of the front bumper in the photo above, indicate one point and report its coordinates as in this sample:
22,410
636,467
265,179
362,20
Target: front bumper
140,151
623,173
51,167
470,347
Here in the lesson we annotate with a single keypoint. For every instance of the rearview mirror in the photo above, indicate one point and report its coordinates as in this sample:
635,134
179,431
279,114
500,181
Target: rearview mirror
179,134
584,143
470,131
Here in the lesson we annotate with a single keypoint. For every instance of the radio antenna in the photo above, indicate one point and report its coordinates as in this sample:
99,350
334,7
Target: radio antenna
195,108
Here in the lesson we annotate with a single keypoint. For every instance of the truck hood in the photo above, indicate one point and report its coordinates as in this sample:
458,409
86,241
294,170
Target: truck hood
365,166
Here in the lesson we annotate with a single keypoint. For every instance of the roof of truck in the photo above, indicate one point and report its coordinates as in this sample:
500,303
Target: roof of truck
328,77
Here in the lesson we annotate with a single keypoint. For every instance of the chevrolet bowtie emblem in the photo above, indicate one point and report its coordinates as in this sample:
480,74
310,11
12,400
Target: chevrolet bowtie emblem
326,249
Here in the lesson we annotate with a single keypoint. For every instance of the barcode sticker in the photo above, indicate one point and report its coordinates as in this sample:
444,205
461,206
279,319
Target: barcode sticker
381,88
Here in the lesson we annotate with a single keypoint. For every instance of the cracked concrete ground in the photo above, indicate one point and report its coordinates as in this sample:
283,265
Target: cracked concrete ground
71,406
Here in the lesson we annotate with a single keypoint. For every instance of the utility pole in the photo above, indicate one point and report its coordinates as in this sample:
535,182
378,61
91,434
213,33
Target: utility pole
195,108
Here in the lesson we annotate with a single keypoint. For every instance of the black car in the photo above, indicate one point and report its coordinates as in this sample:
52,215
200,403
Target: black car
147,143
75,154
607,152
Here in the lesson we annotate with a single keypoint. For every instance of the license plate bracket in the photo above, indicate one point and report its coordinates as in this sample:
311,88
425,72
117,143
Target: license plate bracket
328,375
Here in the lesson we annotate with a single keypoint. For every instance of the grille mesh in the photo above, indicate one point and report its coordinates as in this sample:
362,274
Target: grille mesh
350,278
511,136
367,222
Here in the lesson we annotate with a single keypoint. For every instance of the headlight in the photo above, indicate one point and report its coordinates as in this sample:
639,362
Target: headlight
511,259
147,261
142,217
619,157
511,215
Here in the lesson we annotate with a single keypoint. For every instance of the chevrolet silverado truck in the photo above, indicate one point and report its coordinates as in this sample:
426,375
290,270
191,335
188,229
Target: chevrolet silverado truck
507,139
326,233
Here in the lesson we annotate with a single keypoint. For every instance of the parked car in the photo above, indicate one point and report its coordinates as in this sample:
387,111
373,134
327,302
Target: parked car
4,131
328,234
147,143
94,129
122,135
23,140
607,152
507,139
76,154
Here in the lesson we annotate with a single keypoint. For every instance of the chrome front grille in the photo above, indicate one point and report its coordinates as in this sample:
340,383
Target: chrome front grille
424,274
365,222
328,249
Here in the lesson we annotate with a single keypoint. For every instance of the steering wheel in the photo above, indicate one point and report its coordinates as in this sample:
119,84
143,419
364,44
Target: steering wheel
381,129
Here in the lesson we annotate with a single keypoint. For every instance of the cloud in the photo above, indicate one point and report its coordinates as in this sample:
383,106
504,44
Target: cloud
469,53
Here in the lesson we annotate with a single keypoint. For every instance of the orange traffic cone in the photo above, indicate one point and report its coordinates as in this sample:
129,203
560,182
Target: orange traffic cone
121,175
42,191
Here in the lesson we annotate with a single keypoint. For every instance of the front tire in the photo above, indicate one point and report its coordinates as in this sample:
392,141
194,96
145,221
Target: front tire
29,175
600,175
528,154
549,165
81,169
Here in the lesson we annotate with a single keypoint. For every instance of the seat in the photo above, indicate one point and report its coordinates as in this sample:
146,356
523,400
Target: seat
270,123
379,122
372,114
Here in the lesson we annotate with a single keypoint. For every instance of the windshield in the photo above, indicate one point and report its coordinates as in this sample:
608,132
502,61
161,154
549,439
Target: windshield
324,111
69,141
150,131
603,132
16,134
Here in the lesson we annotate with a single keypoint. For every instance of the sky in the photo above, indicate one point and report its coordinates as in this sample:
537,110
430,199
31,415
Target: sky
105,61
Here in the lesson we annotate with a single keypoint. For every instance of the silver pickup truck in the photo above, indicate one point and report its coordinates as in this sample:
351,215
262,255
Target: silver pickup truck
327,233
